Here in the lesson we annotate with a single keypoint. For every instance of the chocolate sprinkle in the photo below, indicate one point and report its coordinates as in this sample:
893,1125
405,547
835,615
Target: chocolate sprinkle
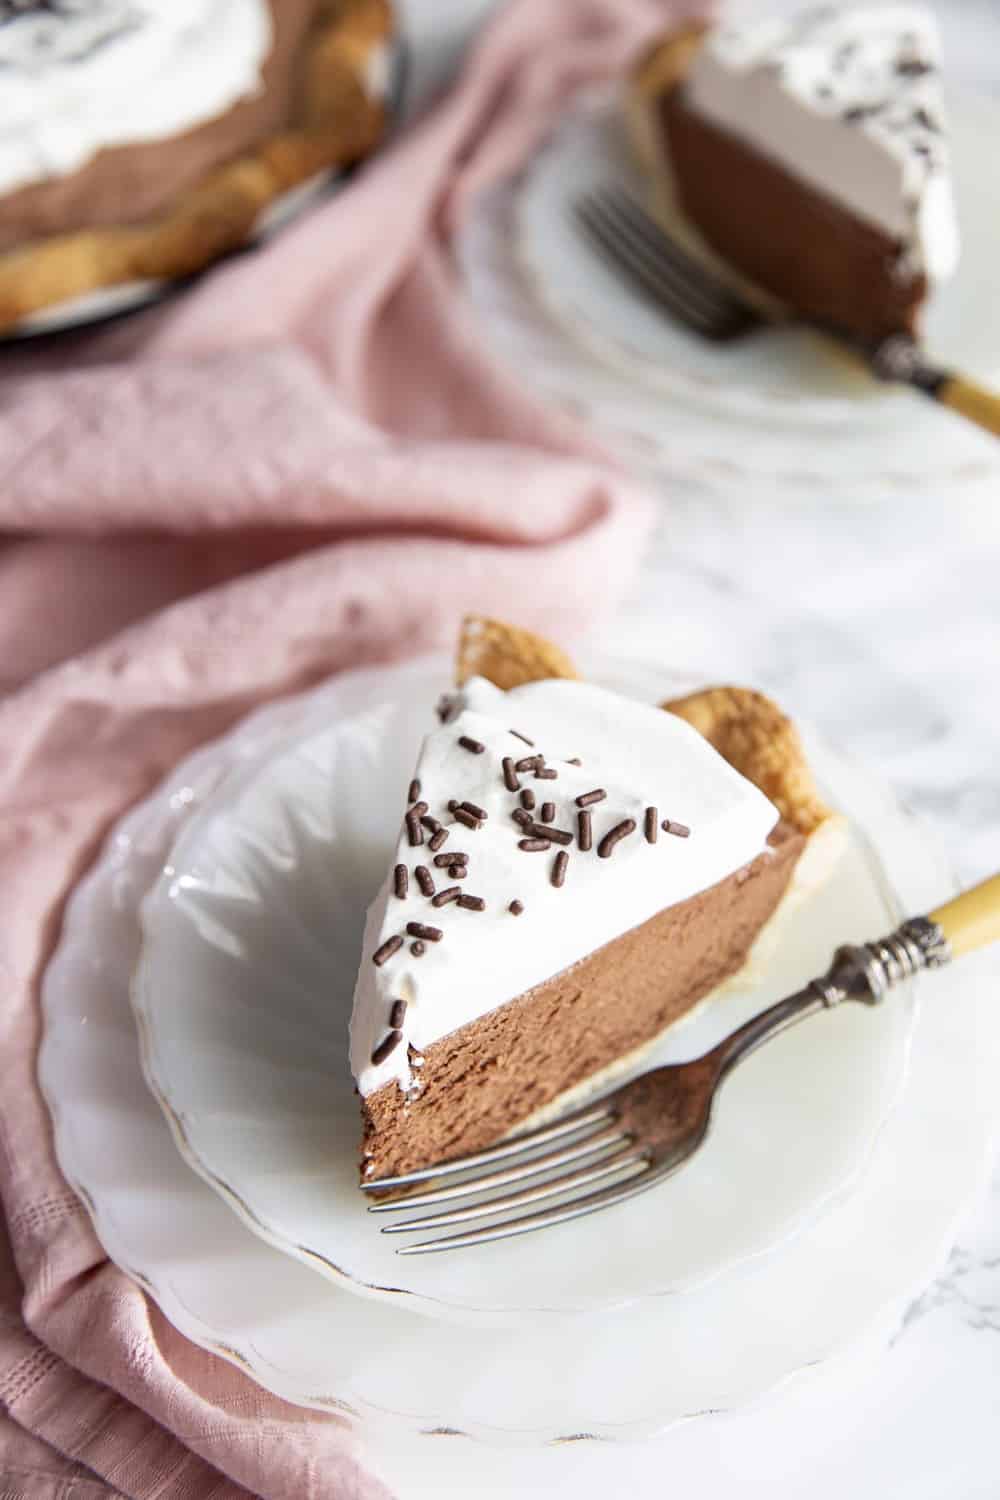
443,897
414,832
584,831
574,761
458,872
534,846
548,814
467,743
389,947
452,804
554,835
425,880
417,810
413,795
587,799
529,763
477,812
445,861
614,837
546,773
519,736
431,824
467,819
651,825
421,930
441,837
397,1013
528,798
401,881
510,780
516,908
522,816
913,67
679,830
558,876
472,903
417,948
385,1046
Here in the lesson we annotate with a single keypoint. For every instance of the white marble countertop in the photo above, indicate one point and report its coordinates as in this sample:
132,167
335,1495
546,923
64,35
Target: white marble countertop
880,622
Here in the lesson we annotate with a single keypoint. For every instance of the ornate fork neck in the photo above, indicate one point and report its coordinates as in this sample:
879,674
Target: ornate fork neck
865,972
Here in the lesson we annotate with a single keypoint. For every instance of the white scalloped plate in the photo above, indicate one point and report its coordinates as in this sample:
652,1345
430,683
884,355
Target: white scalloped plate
606,1376
244,991
781,402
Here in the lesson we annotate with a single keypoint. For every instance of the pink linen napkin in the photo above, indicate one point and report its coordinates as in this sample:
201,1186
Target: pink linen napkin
306,464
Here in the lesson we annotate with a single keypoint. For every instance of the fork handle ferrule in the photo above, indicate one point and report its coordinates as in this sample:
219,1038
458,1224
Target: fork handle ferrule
868,971
900,358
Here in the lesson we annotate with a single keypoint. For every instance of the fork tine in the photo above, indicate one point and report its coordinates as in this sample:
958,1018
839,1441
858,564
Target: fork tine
701,281
551,1188
634,244
646,240
590,1203
596,1114
548,1162
654,280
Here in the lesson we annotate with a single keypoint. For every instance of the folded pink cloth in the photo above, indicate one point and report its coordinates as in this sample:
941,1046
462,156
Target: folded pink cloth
304,465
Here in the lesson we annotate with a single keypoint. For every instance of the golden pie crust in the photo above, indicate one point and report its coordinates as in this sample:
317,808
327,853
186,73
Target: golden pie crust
337,121
667,62
747,728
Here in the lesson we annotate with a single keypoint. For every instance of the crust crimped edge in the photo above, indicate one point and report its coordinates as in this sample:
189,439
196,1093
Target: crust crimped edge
338,122
667,62
752,733
506,655
747,728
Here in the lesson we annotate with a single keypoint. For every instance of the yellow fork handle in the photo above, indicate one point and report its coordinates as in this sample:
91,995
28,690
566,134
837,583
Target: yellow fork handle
972,401
972,920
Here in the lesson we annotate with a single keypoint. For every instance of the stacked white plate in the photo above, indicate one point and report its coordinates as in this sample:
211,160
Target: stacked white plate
212,1131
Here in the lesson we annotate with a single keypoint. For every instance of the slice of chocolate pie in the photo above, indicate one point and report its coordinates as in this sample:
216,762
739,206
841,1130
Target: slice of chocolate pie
810,154
575,872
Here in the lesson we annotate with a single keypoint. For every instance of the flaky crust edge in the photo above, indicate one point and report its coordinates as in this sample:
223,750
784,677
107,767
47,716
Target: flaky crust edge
747,728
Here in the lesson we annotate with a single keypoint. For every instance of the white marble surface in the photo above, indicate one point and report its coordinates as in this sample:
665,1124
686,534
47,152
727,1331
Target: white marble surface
880,622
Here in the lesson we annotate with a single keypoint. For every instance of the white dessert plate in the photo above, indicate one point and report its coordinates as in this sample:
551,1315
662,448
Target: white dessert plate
620,1375
769,403
243,994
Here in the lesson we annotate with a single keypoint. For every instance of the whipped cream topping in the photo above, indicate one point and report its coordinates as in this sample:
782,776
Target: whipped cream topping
80,75
486,954
849,100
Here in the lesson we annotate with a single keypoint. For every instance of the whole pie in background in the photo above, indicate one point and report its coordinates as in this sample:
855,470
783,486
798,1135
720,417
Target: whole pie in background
143,139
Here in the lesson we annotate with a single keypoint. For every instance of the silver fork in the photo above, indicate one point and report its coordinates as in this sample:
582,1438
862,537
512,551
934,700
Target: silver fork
638,248
633,244
633,1138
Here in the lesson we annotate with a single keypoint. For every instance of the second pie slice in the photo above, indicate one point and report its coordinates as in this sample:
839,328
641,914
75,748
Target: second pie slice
575,871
